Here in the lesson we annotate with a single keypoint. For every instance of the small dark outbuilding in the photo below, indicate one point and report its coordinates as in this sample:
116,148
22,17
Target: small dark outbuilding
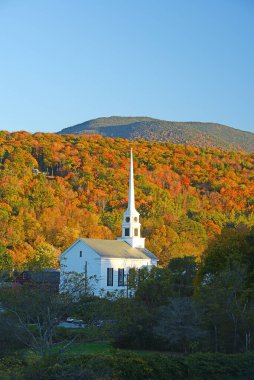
48,277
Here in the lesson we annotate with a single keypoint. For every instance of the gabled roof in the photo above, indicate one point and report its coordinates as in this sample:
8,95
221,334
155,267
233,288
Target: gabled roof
118,249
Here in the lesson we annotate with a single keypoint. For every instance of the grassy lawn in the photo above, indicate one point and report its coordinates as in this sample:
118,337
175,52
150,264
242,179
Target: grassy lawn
94,340
106,347
88,348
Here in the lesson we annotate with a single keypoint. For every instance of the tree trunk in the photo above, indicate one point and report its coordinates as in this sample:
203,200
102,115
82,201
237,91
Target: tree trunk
215,338
235,336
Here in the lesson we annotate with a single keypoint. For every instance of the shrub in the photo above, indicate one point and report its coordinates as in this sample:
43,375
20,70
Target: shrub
220,366
132,366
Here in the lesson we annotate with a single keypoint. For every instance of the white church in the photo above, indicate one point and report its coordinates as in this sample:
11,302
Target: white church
109,261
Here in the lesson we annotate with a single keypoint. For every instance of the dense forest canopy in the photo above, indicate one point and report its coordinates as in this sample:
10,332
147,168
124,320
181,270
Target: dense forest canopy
212,135
185,195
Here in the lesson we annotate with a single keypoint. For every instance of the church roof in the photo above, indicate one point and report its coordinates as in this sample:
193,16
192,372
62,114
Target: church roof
118,249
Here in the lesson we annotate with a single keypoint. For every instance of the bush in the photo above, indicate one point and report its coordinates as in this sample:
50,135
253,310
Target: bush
221,366
8,336
132,366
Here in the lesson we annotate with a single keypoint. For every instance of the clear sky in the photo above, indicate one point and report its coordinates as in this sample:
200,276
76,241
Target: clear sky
63,62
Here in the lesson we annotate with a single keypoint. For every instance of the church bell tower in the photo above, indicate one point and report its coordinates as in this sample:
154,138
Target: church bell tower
131,225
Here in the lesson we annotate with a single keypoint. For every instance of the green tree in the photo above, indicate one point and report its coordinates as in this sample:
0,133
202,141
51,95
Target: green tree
154,286
35,313
183,271
228,307
179,323
231,250
134,327
45,257
6,263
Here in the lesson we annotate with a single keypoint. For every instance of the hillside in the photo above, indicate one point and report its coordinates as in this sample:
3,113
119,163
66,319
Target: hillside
185,195
210,135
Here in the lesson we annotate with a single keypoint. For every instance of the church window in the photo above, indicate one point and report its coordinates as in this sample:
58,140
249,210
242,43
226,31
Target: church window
127,232
80,253
135,231
109,276
120,277
127,219
135,219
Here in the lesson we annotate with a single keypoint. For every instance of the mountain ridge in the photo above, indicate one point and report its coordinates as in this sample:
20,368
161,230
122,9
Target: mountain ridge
201,134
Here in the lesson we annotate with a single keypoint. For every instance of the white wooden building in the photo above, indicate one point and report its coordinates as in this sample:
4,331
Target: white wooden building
110,260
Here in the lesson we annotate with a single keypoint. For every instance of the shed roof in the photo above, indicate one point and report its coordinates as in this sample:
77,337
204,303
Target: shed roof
118,249
51,276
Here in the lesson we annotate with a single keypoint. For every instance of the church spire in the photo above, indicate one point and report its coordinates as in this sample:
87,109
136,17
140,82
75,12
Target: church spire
131,199
131,225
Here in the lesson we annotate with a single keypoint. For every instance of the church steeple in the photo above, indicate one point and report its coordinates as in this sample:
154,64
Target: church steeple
131,225
131,199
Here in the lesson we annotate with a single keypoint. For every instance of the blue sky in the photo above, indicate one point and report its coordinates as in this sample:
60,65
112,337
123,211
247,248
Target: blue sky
63,62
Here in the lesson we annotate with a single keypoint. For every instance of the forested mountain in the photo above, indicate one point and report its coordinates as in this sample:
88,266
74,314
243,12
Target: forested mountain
210,135
185,195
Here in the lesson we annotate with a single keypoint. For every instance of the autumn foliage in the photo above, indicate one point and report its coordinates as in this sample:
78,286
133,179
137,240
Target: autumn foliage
185,195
